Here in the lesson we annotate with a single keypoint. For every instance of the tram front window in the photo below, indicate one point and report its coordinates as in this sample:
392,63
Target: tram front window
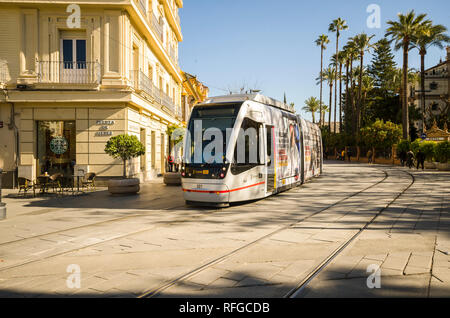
206,149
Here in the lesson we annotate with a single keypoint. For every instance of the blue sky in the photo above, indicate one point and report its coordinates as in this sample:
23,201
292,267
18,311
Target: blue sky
269,45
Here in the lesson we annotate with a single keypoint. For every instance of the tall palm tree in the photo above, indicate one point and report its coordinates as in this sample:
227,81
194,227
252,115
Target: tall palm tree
337,25
312,105
322,41
428,35
404,32
350,48
329,74
342,59
362,43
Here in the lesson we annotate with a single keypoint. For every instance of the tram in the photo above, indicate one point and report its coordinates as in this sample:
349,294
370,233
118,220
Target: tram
246,147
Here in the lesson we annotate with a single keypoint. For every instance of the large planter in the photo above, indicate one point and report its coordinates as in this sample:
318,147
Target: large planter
172,178
124,186
429,165
443,166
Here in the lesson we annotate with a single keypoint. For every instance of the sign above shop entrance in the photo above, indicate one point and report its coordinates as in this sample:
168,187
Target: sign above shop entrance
104,126
59,145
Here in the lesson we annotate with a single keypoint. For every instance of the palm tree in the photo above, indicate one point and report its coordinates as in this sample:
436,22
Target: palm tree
428,35
336,26
312,105
322,41
403,32
362,43
350,49
329,74
342,59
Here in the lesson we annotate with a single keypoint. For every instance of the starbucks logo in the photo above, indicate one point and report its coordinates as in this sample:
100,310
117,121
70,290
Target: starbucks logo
59,145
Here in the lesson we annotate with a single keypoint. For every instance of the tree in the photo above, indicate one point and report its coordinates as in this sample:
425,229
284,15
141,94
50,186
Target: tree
329,75
124,147
381,135
336,26
403,32
428,35
382,66
322,41
312,105
362,42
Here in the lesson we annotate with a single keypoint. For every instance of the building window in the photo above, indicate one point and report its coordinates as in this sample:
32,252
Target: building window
56,147
433,85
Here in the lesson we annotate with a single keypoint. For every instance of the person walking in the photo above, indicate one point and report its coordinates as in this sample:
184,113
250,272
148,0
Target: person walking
343,155
402,157
410,159
349,154
369,157
420,157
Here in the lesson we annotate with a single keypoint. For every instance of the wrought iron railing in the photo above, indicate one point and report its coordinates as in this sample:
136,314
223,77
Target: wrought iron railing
69,72
157,26
142,83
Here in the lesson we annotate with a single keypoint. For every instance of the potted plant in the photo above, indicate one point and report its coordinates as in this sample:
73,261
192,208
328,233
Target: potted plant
428,148
443,155
124,147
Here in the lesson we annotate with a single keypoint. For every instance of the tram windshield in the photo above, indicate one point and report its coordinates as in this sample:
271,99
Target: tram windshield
207,143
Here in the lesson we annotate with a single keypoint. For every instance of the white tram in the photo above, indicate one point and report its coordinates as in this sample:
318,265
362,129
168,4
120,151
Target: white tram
285,152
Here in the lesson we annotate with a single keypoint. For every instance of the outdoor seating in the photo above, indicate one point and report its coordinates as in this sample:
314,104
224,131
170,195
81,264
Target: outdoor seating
55,182
42,183
25,185
89,182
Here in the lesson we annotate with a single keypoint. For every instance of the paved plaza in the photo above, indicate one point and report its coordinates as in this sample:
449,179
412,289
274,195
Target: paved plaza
353,218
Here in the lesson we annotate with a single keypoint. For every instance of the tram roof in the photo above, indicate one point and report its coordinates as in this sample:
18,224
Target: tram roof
256,97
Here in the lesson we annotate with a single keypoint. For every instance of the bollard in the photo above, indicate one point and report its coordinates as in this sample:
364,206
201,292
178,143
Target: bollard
2,205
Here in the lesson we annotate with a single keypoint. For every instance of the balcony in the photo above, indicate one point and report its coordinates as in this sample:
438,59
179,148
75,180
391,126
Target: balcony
141,83
157,26
69,72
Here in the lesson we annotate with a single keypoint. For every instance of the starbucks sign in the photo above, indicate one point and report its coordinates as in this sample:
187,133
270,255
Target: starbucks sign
59,145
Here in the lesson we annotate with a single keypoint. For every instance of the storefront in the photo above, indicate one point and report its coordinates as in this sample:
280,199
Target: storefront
56,147
66,139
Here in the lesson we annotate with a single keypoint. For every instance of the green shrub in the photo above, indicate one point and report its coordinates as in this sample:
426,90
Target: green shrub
428,148
404,146
443,151
415,145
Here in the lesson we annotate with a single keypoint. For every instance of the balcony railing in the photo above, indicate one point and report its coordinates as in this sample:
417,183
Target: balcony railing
141,83
69,72
157,26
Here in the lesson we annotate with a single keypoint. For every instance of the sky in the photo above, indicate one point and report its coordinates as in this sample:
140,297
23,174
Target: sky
269,45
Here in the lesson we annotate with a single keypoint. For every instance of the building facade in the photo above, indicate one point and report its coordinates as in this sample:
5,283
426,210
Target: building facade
73,76
437,88
194,92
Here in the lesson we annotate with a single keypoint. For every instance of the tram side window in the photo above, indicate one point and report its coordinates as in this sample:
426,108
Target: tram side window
247,149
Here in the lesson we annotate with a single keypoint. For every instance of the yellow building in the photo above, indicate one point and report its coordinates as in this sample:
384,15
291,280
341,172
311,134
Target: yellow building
193,93
72,76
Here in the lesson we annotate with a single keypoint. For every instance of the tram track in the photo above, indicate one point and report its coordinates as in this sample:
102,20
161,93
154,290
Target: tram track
157,291
300,287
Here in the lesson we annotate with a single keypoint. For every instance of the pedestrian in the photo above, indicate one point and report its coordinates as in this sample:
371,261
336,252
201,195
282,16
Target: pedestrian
343,155
420,157
349,154
410,159
170,162
402,157
369,156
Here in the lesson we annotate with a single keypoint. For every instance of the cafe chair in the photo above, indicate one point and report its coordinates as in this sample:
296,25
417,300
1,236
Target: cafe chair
55,182
25,185
89,182
42,183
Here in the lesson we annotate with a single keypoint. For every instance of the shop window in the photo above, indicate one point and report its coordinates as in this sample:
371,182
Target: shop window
56,147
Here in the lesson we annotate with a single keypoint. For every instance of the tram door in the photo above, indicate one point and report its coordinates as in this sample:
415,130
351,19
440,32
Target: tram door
270,158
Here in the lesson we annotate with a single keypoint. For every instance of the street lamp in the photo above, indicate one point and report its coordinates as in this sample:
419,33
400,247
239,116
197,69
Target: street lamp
2,205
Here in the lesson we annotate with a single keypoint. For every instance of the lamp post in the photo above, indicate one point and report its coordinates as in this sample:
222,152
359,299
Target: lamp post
2,205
